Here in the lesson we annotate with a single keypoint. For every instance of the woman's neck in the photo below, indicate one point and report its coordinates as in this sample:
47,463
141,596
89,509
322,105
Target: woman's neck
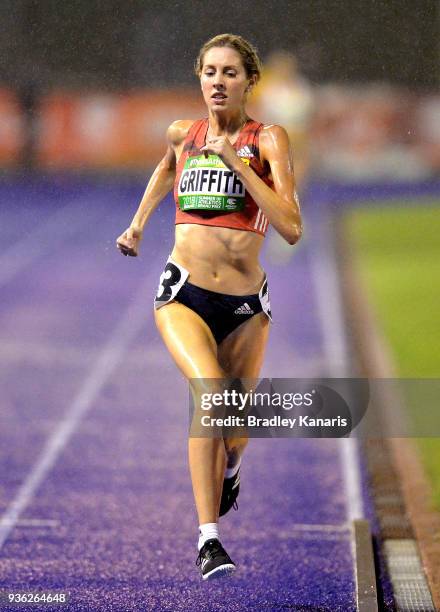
220,124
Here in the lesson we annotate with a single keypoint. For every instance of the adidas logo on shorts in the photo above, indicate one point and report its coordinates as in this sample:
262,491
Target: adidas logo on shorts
244,309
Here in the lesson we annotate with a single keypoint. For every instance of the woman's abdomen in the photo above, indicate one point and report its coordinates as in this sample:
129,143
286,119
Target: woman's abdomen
220,259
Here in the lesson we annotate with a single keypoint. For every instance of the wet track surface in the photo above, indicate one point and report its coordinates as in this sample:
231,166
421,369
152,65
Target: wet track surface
112,520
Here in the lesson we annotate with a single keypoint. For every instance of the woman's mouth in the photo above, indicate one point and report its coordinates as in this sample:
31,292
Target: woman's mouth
219,96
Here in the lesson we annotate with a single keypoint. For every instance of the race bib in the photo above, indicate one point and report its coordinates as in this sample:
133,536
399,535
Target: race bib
171,280
207,184
263,294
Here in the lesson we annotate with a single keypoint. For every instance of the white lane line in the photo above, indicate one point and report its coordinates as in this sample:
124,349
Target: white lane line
349,455
112,353
316,527
36,523
54,355
300,531
326,282
57,227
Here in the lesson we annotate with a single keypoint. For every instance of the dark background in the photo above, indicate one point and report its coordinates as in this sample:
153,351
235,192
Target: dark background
117,45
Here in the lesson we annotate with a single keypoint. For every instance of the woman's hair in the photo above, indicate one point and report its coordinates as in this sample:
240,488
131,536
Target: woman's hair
247,52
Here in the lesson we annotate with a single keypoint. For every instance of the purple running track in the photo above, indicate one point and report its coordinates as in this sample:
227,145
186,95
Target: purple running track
112,520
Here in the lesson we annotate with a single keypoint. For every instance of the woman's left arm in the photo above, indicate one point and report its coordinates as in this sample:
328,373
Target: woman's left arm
281,206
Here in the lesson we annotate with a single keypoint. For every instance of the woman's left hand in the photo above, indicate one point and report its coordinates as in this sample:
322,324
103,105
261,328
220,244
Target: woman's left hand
220,145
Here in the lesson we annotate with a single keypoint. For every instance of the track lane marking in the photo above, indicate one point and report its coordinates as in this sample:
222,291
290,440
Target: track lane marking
133,320
30,522
46,354
31,246
326,282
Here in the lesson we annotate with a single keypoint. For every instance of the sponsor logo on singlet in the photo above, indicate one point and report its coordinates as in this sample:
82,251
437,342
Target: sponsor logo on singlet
245,152
206,183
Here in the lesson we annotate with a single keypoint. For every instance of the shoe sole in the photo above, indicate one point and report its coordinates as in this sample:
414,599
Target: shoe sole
219,572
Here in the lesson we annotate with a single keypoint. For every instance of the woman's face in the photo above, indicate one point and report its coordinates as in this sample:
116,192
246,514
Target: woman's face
223,79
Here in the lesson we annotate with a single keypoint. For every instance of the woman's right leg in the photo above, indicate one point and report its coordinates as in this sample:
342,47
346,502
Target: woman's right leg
193,348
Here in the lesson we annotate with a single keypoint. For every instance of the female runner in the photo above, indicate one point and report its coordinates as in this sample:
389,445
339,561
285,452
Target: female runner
232,176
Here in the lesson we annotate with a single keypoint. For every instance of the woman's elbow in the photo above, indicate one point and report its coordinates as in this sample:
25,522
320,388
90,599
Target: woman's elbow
294,234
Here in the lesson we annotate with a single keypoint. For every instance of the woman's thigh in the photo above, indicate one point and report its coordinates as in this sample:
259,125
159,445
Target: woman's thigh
241,353
189,341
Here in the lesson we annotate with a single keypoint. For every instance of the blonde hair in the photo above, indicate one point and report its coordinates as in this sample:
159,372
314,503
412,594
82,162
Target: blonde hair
247,52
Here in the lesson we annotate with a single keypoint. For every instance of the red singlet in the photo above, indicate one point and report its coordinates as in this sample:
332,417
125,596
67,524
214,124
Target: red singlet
251,218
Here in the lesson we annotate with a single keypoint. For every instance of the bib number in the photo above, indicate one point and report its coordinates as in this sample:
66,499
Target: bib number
265,300
170,282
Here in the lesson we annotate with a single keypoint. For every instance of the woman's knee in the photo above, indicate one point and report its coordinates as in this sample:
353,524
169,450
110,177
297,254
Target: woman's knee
235,446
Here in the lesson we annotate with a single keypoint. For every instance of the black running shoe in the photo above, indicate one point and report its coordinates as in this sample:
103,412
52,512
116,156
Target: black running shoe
231,489
214,561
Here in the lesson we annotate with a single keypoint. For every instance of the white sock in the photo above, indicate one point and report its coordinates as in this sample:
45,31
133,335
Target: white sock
230,472
207,531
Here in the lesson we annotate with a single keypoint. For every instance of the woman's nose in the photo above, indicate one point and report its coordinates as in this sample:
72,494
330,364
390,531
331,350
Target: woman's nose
219,81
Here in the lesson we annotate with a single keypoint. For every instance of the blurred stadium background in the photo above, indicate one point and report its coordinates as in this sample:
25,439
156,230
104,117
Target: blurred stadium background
87,90
94,84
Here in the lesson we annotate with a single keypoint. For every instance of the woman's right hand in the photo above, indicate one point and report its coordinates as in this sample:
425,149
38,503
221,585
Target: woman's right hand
129,241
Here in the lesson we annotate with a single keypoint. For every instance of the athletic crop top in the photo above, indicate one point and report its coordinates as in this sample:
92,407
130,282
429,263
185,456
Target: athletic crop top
207,192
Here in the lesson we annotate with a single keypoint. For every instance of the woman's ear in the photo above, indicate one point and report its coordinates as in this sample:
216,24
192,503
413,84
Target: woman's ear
251,84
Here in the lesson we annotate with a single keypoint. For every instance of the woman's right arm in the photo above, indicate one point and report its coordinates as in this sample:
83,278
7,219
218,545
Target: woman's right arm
158,186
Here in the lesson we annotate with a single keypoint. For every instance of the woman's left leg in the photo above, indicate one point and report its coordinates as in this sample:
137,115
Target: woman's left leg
241,356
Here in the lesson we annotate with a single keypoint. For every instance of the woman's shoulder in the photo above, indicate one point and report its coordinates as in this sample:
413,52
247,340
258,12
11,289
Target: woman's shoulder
178,131
273,131
273,138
